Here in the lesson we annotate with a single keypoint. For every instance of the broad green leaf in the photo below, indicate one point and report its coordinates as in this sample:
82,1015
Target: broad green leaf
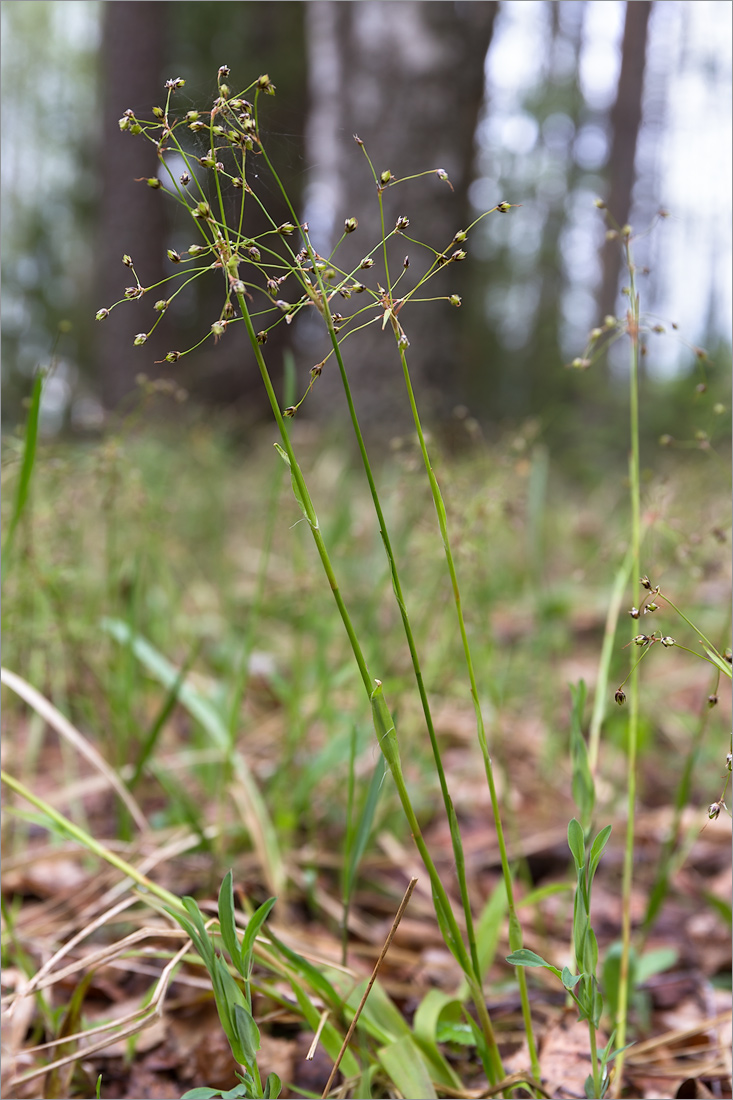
429,1011
525,957
247,1032
380,1015
201,1094
570,980
273,1087
406,1067
439,1018
488,928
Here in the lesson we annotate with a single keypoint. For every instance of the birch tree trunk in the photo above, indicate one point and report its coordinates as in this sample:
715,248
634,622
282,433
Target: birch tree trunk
408,78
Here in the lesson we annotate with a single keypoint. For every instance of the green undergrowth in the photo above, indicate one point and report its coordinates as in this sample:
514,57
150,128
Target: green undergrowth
164,532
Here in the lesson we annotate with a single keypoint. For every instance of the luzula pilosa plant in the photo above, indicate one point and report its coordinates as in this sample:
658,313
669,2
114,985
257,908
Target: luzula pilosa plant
268,280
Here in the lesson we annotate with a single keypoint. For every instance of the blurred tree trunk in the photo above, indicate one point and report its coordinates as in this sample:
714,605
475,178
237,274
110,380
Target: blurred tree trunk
536,382
625,125
252,38
409,79
130,218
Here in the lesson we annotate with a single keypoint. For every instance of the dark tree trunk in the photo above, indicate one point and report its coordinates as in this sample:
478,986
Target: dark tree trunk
130,218
625,124
252,38
408,78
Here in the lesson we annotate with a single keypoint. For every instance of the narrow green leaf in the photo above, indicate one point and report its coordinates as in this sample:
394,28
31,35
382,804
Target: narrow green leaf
306,507
254,924
364,827
313,977
576,843
719,662
227,924
156,727
203,711
596,850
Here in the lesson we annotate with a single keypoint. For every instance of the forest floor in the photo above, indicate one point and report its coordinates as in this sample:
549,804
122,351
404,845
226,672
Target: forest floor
197,551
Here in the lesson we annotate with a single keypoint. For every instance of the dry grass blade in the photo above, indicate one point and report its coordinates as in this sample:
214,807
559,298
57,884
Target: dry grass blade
372,980
63,726
40,975
135,1021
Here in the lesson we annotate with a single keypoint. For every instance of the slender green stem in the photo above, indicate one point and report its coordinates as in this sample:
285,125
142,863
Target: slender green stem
609,635
458,854
689,623
515,930
633,725
442,901
397,587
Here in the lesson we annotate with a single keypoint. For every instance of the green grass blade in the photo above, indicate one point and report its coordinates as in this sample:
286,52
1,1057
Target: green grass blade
26,467
405,1065
162,717
227,924
264,837
364,826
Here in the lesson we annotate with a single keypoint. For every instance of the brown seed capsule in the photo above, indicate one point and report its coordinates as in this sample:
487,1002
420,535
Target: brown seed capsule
620,697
